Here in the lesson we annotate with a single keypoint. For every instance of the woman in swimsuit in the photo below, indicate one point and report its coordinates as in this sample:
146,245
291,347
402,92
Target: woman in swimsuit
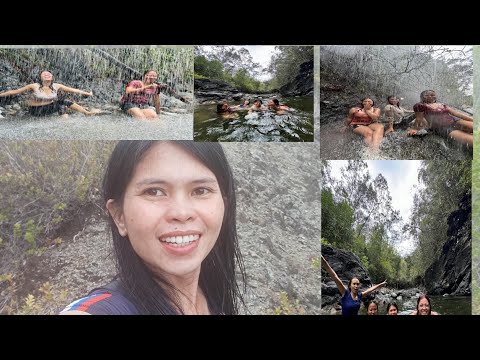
45,100
442,119
364,121
351,295
394,113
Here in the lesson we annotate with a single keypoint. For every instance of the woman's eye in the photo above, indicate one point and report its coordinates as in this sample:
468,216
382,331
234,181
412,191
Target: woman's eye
201,191
154,192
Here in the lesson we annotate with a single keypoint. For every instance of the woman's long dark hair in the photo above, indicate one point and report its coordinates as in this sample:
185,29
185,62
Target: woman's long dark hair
40,81
217,275
424,296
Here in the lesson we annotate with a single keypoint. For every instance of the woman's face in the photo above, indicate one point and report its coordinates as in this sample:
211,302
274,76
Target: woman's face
172,211
393,100
430,97
367,102
393,310
46,76
150,77
354,286
372,309
423,307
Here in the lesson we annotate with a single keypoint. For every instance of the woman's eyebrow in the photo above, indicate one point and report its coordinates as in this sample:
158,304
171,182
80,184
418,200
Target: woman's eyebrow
151,181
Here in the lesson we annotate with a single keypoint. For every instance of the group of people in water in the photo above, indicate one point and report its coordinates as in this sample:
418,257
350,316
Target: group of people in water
427,115
140,100
230,111
352,297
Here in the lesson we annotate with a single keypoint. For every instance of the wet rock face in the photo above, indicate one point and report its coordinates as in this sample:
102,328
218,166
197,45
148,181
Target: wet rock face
303,83
452,272
208,90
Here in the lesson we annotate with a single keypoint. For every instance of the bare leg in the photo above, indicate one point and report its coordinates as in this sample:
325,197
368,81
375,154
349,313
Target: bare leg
149,113
82,110
461,137
366,132
464,125
136,113
377,135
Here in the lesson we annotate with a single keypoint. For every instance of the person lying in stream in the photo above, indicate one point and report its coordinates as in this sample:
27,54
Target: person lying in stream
226,111
274,105
442,119
44,100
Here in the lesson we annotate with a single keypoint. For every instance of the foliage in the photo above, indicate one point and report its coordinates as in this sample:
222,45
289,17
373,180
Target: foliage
285,63
402,70
237,68
83,67
445,183
288,307
46,300
44,184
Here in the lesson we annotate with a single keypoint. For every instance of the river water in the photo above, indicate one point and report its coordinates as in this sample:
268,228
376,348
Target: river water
295,125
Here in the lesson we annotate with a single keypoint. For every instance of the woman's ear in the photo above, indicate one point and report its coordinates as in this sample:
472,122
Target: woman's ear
117,215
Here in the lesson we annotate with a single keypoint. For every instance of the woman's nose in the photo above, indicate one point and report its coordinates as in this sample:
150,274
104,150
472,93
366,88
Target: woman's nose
180,209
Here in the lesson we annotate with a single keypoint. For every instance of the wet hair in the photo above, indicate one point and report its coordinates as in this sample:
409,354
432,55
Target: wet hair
276,102
350,282
392,304
40,81
220,109
393,96
422,94
365,98
217,279
146,72
425,296
261,102
372,302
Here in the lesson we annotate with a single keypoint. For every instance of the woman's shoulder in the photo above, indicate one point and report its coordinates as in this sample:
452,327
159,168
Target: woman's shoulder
102,301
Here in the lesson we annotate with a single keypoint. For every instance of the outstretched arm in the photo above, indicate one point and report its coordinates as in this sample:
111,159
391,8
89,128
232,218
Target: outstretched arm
334,276
373,288
73,90
17,91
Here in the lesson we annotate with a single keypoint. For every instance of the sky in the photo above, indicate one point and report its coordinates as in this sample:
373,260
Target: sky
401,176
260,54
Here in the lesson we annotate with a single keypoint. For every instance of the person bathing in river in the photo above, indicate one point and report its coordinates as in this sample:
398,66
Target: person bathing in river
364,121
45,99
392,309
351,295
372,307
242,106
442,119
226,111
424,306
141,99
258,106
274,105
395,114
